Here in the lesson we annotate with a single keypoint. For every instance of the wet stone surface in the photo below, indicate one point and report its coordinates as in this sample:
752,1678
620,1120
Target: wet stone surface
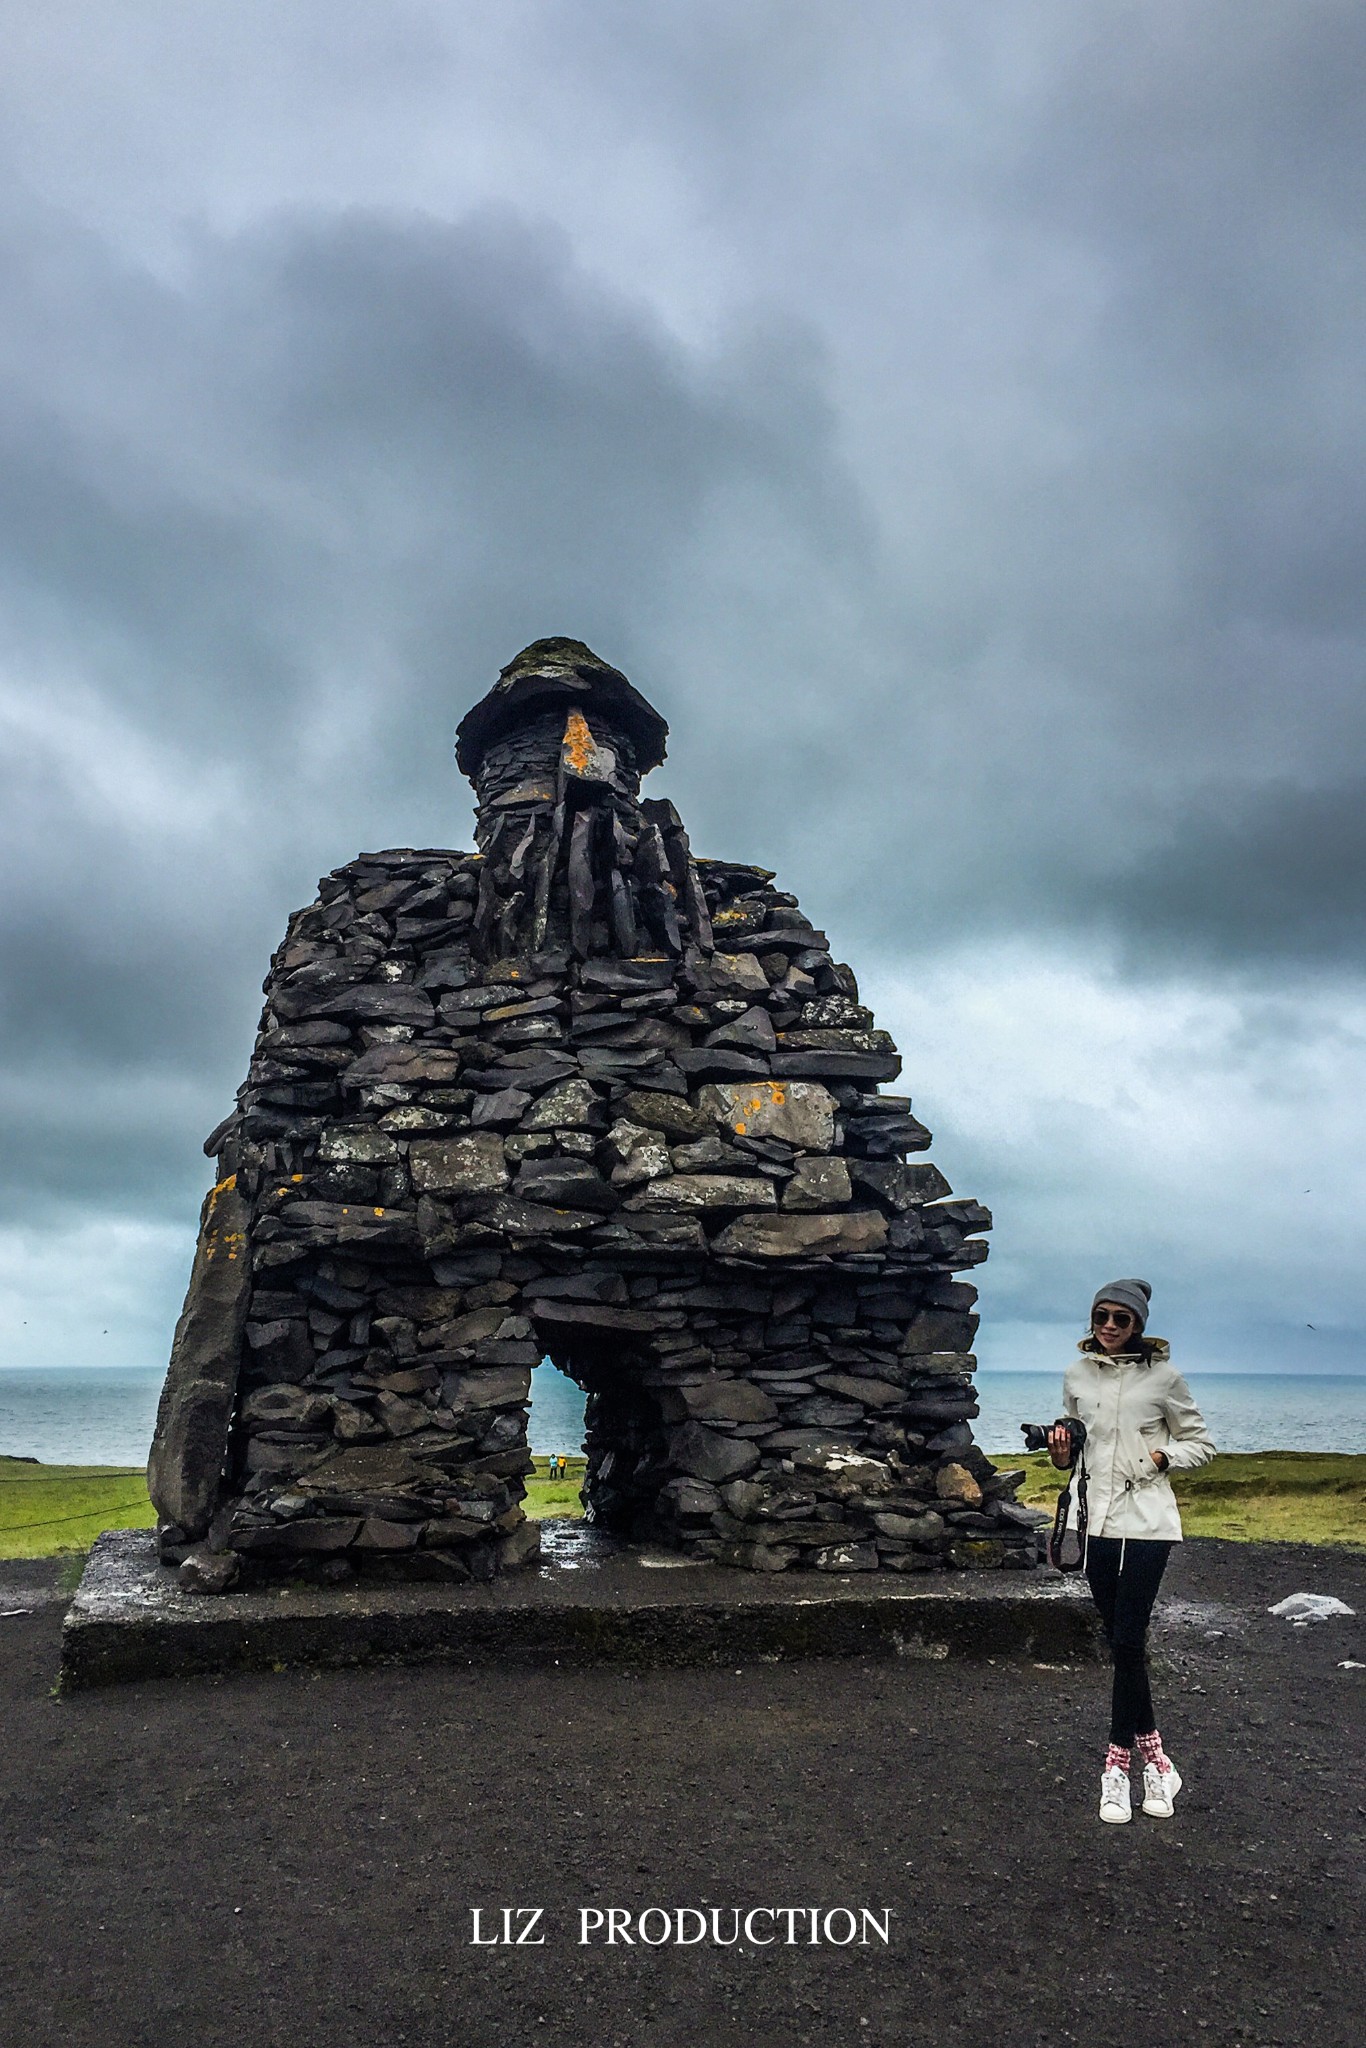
594,1597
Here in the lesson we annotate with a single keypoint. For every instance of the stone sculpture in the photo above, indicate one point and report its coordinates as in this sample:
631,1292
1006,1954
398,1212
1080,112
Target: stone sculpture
578,1095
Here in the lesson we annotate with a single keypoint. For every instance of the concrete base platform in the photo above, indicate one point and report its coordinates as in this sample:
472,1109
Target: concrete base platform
590,1600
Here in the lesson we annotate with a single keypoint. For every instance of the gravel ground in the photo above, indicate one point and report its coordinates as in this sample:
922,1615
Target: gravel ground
292,1859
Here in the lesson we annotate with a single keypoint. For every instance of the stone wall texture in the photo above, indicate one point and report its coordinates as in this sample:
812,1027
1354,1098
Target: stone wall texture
576,1095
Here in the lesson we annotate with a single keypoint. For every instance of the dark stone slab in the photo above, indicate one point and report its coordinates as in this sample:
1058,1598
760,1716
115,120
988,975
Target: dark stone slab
619,1605
565,1183
196,1402
716,1063
626,977
838,1066
391,1004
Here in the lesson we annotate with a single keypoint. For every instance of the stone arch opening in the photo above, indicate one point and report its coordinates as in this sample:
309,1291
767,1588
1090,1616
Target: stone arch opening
555,1427
626,1438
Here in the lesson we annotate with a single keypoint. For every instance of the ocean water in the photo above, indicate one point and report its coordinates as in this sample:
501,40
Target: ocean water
78,1414
1245,1411
93,1415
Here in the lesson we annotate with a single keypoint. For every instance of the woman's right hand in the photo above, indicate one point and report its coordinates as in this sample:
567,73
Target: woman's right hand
1060,1448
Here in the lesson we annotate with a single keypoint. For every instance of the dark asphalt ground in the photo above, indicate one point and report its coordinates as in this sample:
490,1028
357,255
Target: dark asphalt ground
290,1860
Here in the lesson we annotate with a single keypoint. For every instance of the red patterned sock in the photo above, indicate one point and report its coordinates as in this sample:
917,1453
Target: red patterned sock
1151,1750
1116,1758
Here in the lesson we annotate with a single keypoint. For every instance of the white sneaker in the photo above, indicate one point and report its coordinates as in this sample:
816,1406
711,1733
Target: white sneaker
1159,1790
1115,1802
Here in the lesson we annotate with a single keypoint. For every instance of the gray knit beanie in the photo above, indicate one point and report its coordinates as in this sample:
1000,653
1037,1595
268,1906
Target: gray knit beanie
1131,1294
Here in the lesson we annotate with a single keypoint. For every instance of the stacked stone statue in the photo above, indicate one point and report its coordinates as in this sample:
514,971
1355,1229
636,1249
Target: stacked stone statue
581,1095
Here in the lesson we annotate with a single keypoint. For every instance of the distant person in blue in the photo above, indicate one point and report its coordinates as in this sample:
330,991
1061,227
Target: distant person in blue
1141,1424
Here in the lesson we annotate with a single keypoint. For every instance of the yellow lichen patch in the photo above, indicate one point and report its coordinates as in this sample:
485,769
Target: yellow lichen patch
578,743
765,1095
379,1212
223,1187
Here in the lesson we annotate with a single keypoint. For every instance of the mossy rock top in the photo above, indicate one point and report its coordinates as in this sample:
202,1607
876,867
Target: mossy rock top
559,671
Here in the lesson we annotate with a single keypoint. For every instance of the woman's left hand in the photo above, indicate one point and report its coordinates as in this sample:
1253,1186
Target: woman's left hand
1159,1459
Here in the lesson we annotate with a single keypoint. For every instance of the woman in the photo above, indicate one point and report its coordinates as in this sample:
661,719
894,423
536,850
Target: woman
1141,1423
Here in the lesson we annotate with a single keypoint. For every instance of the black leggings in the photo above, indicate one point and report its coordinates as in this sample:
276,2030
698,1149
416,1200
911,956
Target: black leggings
1125,1595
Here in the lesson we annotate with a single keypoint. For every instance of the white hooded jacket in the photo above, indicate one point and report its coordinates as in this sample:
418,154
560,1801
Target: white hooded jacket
1132,1409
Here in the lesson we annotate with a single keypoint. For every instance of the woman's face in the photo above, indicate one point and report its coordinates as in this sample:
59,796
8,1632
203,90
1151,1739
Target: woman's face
1112,1326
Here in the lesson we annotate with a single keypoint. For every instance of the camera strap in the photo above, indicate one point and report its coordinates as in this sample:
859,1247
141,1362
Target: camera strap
1058,1534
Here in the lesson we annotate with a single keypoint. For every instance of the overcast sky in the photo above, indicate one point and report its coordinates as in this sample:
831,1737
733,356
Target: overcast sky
949,412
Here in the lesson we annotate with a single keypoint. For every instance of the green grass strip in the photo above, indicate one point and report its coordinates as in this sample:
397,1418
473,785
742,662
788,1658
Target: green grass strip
1257,1497
46,1510
1248,1497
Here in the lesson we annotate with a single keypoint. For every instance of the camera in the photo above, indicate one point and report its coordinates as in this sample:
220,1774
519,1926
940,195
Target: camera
1036,1434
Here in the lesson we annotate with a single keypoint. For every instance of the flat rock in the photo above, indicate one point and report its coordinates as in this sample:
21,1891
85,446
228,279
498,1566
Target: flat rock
900,1186
640,1153
566,1183
502,1386
501,1108
837,1066
924,1528
872,1393
820,1183
716,1399
704,1191
389,1004
672,1114
707,1454
706,1063
535,1219
404,1066
627,977
358,1145
800,1113
469,1165
790,1236
731,974
751,1032
567,1105
592,1315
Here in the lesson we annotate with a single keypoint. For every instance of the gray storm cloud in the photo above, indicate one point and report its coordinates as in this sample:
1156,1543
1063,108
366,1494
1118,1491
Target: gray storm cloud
952,421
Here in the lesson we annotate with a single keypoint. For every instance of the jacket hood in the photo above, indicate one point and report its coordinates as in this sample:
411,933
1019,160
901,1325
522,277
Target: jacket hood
1161,1352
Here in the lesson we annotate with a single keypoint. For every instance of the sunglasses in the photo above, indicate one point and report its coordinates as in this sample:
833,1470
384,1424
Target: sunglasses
1120,1317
